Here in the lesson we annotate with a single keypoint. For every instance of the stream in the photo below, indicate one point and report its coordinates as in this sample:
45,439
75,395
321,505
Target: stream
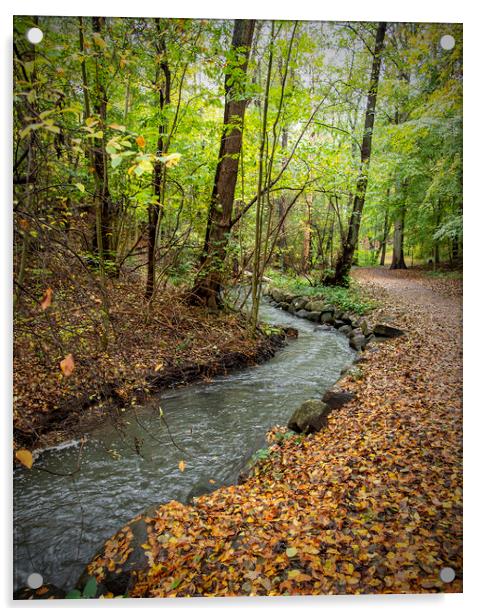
59,522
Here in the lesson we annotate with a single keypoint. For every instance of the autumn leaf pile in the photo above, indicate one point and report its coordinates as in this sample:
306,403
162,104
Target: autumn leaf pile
372,504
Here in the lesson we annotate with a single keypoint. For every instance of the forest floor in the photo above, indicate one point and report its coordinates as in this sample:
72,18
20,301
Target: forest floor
371,504
176,345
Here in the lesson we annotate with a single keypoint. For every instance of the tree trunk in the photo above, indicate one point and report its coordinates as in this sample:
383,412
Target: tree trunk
208,285
103,241
398,261
154,210
345,259
386,230
281,207
306,256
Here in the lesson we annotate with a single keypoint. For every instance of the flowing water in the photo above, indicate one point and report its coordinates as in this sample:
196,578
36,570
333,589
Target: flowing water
60,521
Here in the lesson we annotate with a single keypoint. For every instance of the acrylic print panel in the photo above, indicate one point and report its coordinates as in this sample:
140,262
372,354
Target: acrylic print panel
237,307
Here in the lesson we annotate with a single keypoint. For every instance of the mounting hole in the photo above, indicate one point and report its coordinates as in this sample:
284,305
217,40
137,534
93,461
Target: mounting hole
34,35
447,42
447,575
35,580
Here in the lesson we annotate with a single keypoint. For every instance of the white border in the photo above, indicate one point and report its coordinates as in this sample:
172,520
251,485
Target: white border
368,10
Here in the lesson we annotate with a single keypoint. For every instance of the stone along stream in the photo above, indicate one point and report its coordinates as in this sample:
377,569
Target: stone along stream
215,427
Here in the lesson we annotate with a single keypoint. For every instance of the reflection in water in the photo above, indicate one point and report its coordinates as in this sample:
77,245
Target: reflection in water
214,428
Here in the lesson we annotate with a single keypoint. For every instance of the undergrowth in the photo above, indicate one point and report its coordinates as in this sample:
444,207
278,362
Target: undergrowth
350,299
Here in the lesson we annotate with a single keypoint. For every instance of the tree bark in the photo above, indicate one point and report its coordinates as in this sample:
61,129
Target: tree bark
306,256
281,204
345,259
154,210
208,285
398,260
103,240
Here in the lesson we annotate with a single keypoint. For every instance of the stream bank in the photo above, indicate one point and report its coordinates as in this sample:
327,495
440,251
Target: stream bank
367,505
214,428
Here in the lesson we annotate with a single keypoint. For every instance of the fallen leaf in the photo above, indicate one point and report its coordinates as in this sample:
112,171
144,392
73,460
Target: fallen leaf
24,456
46,299
67,365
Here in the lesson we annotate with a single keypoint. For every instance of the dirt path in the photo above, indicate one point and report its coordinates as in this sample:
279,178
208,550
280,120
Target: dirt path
371,504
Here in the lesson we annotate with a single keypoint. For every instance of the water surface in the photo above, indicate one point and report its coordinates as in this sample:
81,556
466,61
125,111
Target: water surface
215,427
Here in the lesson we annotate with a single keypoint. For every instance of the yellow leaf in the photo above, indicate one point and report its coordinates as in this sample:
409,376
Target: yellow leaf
98,40
67,365
171,160
182,466
141,142
24,456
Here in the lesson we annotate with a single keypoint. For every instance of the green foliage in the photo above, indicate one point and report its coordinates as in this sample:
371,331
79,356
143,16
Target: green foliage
349,299
89,591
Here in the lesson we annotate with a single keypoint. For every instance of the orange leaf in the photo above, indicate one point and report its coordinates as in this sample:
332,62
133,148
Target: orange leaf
182,466
46,299
24,456
67,365
141,142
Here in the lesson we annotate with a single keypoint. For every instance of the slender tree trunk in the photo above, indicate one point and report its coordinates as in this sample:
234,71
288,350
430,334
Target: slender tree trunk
103,241
306,257
154,211
344,261
383,248
281,206
398,260
208,285
386,231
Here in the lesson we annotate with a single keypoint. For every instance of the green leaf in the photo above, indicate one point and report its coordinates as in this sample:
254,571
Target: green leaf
176,583
290,552
81,187
74,594
90,589
116,161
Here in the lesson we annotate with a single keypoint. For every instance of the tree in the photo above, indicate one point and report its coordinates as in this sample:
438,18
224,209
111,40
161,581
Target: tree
345,259
208,284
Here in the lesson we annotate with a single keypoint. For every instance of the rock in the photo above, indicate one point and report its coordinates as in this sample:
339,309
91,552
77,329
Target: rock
291,332
284,306
337,314
292,309
316,306
310,417
299,303
46,591
338,323
358,342
364,327
385,331
282,296
335,399
345,329
277,295
133,535
355,332
322,328
302,314
313,316
346,319
200,488
370,338
327,317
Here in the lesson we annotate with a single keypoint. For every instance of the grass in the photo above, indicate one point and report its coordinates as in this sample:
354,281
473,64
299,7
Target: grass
349,299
